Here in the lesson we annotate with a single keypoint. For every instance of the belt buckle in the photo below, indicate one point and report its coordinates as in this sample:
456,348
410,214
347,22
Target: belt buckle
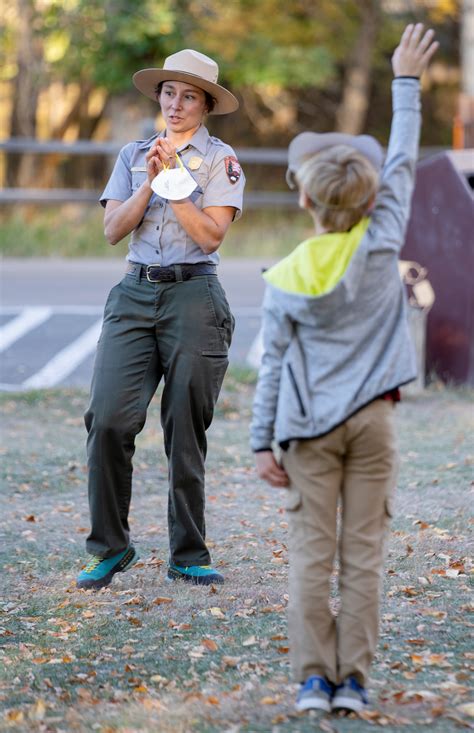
148,273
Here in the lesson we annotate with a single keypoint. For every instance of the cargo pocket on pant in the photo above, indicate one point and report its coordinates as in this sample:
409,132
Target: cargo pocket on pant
218,353
293,500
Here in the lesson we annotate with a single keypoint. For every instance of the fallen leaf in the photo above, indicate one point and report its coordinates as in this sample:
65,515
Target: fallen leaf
420,524
159,600
15,716
210,645
230,661
418,642
134,621
250,641
467,708
140,688
158,679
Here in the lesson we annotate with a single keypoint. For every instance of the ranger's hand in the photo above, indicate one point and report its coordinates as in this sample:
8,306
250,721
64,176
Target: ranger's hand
166,151
414,52
270,470
154,163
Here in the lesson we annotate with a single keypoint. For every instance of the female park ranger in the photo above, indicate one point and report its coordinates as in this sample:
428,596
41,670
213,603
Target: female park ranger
176,194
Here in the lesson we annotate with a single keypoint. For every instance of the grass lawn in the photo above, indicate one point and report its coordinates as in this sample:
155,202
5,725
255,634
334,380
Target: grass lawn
77,231
146,655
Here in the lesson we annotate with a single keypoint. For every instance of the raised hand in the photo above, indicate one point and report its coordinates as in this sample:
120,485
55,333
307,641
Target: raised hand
414,52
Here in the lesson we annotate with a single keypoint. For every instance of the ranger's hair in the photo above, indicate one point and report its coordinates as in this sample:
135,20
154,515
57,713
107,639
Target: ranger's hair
340,183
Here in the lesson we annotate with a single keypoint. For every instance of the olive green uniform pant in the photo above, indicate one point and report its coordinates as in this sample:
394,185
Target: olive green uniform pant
180,331
354,467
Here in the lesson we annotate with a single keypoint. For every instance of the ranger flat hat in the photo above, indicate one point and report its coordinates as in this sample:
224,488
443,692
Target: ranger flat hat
188,66
307,144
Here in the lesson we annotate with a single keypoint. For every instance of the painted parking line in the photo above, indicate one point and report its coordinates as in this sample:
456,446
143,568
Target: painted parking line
77,355
66,360
26,320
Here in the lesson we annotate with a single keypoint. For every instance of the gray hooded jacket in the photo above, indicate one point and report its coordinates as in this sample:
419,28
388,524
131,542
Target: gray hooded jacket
327,356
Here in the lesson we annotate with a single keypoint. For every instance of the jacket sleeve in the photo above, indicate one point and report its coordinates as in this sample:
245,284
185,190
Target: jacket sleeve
277,332
389,218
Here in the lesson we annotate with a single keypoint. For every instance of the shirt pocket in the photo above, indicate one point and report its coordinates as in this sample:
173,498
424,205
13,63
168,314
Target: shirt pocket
201,177
139,175
152,211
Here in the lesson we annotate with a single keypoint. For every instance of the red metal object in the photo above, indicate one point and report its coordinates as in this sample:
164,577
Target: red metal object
440,237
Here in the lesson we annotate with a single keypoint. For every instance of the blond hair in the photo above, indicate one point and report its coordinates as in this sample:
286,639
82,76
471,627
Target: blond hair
340,182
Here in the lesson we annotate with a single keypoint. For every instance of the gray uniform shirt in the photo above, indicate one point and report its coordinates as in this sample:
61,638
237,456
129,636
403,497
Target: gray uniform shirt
159,238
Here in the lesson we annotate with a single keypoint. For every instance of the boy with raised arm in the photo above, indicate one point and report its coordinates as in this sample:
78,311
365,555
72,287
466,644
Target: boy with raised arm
336,350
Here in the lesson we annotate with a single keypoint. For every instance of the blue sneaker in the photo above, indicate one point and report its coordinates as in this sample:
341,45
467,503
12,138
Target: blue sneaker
315,694
350,696
99,571
197,574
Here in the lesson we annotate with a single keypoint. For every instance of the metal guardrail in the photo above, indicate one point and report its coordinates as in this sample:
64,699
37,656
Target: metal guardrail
252,200
265,156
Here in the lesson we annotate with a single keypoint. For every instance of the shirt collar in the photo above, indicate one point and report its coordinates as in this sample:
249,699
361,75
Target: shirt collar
199,141
146,144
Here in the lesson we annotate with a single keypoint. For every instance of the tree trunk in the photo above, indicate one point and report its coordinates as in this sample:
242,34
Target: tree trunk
352,111
26,87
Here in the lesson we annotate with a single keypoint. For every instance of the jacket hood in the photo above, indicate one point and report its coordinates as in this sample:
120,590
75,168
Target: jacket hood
321,274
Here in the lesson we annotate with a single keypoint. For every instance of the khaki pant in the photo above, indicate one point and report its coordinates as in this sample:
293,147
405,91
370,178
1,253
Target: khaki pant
354,466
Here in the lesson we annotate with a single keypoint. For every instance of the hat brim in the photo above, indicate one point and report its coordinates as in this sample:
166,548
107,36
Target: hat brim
147,80
307,144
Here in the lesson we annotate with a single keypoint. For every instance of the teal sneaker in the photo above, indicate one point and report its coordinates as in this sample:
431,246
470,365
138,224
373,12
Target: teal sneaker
99,571
197,574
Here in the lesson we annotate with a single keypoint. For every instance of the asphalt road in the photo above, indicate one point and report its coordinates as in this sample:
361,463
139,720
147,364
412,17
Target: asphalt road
51,309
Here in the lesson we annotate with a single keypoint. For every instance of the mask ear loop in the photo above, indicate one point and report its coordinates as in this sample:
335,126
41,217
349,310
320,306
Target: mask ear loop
166,166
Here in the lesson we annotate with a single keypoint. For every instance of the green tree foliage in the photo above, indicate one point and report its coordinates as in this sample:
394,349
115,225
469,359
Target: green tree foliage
105,41
287,60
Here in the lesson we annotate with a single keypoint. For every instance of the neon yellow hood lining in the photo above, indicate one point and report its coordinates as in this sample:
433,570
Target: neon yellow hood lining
317,264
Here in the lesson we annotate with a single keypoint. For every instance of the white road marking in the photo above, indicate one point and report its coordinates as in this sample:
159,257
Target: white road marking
27,319
65,360
61,310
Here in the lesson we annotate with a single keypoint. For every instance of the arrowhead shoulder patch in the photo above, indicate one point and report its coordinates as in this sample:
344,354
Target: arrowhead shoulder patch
232,168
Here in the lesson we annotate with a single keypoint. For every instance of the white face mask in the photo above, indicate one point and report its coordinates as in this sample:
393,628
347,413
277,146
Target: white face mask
174,184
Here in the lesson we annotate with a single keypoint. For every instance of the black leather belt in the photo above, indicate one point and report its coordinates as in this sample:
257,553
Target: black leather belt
170,274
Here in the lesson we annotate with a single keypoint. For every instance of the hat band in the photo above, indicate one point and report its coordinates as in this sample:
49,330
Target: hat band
191,73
